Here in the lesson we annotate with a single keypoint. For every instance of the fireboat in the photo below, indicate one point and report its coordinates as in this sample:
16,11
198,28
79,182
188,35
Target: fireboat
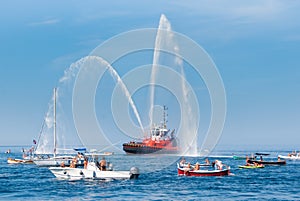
161,141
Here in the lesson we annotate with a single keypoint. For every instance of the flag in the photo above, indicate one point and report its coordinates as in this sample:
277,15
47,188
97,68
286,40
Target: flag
34,142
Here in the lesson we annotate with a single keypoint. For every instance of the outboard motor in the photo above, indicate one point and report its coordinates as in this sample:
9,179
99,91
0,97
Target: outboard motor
134,173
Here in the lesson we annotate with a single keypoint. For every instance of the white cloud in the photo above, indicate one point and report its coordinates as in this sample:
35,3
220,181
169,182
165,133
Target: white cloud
45,22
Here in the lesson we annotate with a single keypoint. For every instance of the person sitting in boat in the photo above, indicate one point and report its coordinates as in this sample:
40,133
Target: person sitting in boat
213,164
182,162
197,166
278,158
247,161
80,155
219,165
73,163
207,162
188,168
62,164
103,164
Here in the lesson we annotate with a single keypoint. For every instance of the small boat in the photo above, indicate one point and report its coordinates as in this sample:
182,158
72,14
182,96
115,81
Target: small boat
54,159
161,141
19,161
279,162
291,157
251,166
235,157
202,172
92,171
57,161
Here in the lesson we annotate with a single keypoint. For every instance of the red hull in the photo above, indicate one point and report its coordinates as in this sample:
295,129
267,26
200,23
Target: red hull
141,148
203,173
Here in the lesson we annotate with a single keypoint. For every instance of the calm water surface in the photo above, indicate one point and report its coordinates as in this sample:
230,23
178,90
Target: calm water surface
19,182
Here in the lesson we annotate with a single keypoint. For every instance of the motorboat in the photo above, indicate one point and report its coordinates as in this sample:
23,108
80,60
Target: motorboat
251,166
292,156
235,157
19,161
92,170
184,171
279,162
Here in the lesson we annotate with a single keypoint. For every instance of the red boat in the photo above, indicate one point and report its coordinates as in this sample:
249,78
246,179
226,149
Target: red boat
202,172
161,141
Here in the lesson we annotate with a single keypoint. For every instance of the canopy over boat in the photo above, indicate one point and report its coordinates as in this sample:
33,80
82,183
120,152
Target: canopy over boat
262,154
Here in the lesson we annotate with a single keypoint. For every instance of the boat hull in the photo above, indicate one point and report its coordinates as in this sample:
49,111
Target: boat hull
79,173
290,157
282,162
241,157
135,148
202,173
251,166
19,161
55,162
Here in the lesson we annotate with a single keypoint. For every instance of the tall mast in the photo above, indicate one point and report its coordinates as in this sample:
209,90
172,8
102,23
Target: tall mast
54,122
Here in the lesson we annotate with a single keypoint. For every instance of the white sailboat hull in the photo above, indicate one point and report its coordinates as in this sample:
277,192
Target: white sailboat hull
57,161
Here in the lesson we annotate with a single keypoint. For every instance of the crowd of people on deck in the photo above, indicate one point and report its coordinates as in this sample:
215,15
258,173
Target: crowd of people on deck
101,165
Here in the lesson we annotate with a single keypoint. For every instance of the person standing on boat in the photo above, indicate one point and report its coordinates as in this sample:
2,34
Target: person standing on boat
188,168
85,162
182,162
261,159
247,161
197,166
103,164
219,165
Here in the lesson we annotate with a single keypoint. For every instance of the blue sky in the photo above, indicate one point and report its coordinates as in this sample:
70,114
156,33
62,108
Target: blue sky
255,46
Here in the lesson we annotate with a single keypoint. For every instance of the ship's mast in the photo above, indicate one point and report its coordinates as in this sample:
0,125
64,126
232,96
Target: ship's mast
164,116
54,123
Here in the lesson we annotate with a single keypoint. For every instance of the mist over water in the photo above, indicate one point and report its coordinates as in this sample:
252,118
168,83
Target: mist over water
66,135
187,132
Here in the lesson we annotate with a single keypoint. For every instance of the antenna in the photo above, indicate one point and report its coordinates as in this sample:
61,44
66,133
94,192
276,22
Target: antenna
165,116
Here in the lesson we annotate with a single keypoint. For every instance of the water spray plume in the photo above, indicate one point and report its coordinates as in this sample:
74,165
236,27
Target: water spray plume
119,81
165,40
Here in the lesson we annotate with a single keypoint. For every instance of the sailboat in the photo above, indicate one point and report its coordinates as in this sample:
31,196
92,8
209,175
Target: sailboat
57,160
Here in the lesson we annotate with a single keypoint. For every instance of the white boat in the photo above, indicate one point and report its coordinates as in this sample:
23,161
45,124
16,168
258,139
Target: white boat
44,159
19,161
57,161
291,157
92,171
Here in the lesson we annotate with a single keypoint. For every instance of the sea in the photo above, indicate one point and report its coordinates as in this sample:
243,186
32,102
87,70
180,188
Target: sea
158,180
